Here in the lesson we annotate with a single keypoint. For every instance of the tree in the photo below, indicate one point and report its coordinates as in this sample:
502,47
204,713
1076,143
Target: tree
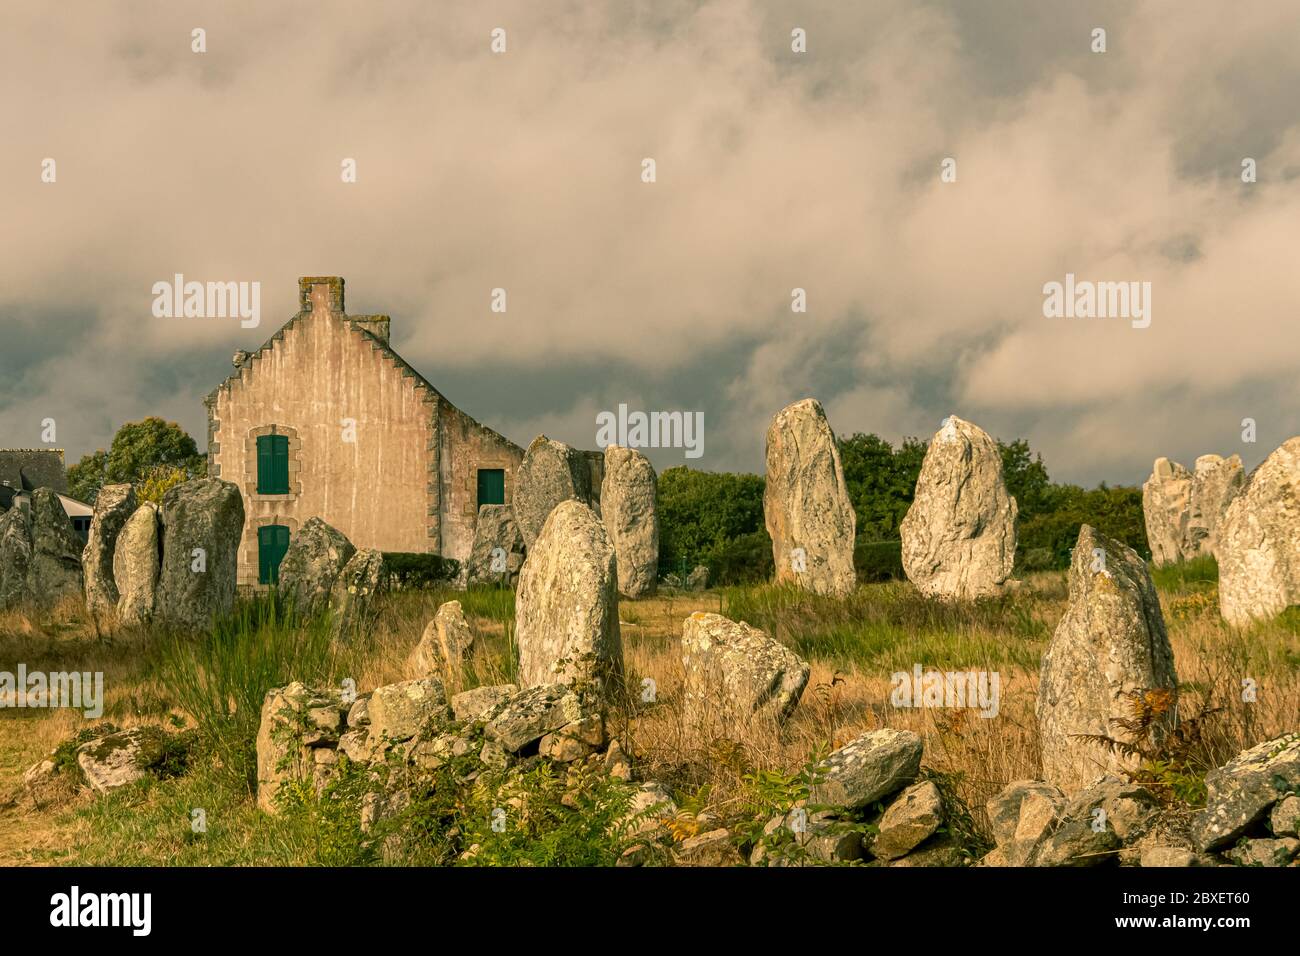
1026,478
881,481
138,449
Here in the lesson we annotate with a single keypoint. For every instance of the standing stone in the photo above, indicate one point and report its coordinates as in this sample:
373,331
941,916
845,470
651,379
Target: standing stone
628,495
313,562
202,521
1110,645
735,674
566,608
495,529
136,563
15,556
1183,510
113,506
551,472
55,572
959,535
353,594
806,503
1215,482
1166,507
446,642
1258,541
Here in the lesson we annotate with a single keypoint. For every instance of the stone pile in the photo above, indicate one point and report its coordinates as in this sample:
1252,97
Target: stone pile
1251,818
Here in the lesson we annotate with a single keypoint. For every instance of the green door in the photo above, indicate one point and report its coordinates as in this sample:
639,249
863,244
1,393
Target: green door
272,543
491,486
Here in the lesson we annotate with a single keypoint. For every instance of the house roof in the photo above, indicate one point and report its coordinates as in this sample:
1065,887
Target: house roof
32,468
357,324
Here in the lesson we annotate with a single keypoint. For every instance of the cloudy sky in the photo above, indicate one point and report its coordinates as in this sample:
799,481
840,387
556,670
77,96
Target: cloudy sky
775,170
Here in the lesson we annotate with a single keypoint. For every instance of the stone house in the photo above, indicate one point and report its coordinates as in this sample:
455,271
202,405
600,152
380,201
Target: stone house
23,470
325,419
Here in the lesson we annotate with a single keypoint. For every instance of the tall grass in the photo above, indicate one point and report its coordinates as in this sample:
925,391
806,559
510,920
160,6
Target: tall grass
221,679
1186,575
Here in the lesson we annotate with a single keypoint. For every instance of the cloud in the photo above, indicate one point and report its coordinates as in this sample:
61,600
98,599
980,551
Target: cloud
775,171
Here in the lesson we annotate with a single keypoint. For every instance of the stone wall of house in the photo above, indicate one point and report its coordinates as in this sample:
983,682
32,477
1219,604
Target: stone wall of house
465,447
317,372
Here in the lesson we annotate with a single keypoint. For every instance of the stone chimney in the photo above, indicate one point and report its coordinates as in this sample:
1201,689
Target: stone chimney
326,289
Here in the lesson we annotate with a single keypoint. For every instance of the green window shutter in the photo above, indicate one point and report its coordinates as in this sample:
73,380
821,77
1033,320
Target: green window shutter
273,465
491,486
272,543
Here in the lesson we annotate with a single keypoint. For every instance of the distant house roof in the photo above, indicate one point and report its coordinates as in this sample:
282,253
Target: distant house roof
26,469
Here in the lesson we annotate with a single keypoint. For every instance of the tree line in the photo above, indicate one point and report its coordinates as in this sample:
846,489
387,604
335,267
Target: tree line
716,518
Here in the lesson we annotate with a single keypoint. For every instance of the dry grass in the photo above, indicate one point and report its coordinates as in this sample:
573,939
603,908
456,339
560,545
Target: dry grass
854,646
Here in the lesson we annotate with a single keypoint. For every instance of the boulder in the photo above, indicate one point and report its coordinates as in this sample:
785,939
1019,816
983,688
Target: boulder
353,593
400,711
531,714
736,674
121,758
566,608
316,556
868,768
715,848
1003,808
474,704
959,535
806,504
1110,654
446,642
55,570
698,579
113,506
1245,789
1023,815
1264,852
15,557
1285,818
550,472
1258,541
136,564
1166,508
628,498
202,522
495,529
910,820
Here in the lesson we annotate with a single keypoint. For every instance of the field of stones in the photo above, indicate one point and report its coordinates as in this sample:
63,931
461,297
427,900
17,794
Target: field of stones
570,706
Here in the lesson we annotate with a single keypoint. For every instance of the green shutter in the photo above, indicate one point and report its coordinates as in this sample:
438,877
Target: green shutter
491,486
273,465
272,543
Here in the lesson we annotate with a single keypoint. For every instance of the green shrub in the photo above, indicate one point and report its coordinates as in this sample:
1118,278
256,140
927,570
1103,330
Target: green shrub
878,560
743,560
405,569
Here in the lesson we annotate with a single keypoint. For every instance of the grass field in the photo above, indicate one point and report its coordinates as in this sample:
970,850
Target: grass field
854,644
